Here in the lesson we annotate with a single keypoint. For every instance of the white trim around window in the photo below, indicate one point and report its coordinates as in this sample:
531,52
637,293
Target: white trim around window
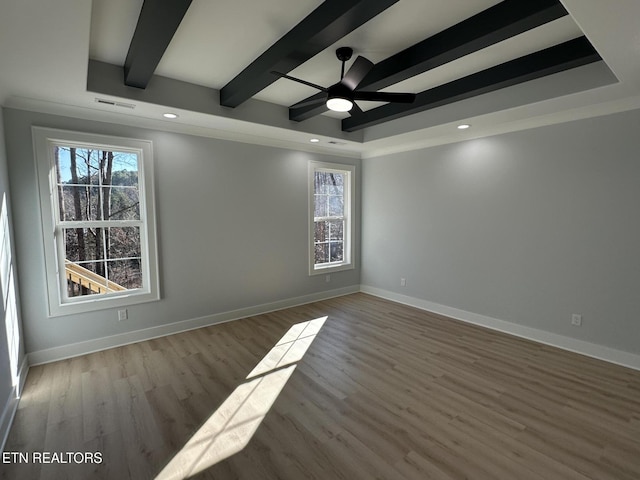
331,217
56,225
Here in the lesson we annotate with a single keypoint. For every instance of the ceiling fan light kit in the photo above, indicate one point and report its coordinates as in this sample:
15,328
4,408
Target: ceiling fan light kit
338,104
339,98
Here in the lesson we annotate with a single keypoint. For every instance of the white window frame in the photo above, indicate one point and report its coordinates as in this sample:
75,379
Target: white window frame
348,263
44,141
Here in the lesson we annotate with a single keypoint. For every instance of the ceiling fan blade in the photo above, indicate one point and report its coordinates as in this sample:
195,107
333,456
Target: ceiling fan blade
355,110
317,99
357,72
390,97
304,82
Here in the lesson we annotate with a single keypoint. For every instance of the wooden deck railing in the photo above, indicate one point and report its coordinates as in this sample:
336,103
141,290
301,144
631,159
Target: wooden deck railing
90,280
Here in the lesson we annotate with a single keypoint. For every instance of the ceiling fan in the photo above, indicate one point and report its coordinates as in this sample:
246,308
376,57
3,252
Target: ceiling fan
342,95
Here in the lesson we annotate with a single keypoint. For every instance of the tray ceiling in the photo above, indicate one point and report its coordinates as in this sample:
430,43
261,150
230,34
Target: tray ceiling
517,57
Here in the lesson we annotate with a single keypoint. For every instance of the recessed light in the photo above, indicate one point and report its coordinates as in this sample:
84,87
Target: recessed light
314,140
170,115
464,126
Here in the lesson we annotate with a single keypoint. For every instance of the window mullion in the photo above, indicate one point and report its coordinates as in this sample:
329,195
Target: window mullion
101,223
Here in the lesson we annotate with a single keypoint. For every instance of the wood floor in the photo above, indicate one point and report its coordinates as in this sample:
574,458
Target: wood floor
380,391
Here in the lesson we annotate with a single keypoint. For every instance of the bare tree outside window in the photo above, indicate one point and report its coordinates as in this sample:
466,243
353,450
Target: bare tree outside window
99,212
329,217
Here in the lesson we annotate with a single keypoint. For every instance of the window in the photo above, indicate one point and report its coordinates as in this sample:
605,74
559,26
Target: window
96,198
331,213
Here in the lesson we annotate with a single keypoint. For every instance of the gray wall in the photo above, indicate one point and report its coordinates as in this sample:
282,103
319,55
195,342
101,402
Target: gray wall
232,230
527,227
7,295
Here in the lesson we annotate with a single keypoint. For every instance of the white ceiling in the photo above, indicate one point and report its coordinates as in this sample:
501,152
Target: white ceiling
45,46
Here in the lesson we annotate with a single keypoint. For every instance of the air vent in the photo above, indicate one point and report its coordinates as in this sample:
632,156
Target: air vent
104,101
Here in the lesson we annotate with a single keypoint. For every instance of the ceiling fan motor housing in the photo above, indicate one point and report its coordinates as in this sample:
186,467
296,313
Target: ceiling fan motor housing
344,53
340,90
339,98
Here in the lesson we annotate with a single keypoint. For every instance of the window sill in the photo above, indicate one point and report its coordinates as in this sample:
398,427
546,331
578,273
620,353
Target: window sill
331,268
97,304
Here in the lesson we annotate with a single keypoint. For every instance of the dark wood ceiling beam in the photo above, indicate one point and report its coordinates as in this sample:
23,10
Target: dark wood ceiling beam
500,22
157,23
565,56
308,107
327,24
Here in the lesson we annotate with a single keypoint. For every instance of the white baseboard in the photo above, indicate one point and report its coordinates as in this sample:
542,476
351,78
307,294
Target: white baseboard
10,408
104,343
22,374
6,419
600,352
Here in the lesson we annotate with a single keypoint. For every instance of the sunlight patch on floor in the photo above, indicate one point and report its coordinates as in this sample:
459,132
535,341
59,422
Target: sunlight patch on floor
230,428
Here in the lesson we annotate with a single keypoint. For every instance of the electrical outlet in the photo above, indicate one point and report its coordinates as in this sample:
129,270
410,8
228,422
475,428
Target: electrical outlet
122,315
576,320
327,278
403,282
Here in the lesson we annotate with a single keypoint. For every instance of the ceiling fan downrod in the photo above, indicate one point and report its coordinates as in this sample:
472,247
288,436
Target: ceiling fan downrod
344,55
